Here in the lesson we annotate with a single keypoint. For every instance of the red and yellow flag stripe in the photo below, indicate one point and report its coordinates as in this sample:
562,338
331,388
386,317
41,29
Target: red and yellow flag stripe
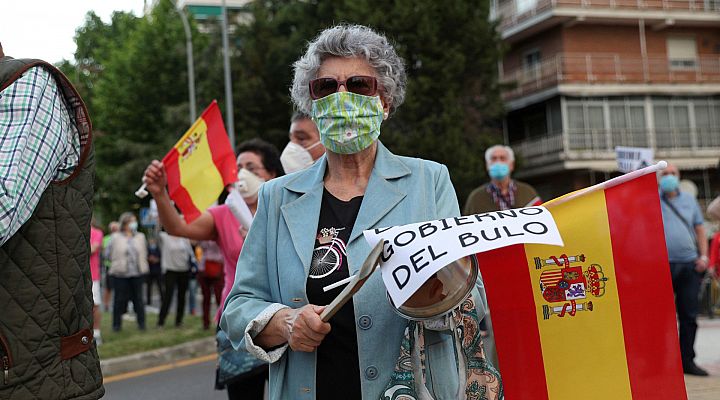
599,325
200,164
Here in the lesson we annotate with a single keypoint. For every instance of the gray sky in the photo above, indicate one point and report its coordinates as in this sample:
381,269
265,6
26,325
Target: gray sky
45,29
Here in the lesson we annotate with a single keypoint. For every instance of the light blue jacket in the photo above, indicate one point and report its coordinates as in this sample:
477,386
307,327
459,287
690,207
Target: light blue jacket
275,260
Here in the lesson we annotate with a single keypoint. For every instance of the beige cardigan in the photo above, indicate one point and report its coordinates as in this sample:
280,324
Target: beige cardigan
118,253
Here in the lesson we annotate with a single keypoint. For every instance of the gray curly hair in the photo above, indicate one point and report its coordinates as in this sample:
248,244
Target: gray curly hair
350,41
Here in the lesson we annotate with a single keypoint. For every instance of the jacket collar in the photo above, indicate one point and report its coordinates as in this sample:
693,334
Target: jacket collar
381,196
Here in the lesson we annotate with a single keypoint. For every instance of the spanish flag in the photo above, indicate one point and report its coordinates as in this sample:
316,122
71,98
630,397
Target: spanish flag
200,164
594,319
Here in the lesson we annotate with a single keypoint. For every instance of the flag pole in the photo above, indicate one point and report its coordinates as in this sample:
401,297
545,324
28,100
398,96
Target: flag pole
141,192
660,165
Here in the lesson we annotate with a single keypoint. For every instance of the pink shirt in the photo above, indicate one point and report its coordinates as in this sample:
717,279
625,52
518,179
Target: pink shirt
96,238
230,242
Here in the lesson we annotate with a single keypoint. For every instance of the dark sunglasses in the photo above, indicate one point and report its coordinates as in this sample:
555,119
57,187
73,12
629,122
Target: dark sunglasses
363,85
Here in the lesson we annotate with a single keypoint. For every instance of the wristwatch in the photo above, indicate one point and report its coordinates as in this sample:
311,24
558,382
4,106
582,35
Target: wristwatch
704,258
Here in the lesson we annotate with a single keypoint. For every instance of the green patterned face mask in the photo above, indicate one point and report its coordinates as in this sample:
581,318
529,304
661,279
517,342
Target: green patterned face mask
348,122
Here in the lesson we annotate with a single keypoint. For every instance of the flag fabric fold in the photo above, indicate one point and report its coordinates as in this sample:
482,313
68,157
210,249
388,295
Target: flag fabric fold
593,319
200,164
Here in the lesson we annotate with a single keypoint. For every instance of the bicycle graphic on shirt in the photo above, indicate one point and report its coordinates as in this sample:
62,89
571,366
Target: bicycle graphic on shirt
327,257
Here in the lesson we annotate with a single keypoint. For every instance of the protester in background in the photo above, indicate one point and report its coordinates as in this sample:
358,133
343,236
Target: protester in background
113,227
350,78
258,162
687,252
210,277
46,193
96,240
713,212
192,280
155,276
501,193
128,263
176,256
304,147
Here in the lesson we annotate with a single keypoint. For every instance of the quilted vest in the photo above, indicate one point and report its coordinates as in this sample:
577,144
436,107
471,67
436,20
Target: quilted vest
46,346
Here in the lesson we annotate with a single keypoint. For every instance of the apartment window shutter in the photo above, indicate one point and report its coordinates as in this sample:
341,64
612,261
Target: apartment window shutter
682,52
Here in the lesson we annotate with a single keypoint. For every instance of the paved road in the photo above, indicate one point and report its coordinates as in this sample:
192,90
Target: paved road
189,382
707,348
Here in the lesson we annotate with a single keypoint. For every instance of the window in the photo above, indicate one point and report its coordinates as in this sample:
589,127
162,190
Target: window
531,65
682,52
525,5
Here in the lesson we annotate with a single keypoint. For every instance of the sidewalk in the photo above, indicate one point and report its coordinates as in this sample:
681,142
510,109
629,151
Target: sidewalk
707,347
698,388
154,358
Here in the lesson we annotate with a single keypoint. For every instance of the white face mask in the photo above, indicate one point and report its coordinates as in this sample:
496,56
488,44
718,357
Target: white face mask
296,158
248,184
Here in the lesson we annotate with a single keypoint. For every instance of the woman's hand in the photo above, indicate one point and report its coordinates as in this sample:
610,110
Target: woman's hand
155,178
306,329
301,328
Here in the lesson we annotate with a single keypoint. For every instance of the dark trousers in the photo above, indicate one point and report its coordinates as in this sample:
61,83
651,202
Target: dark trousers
156,278
173,279
128,289
251,387
209,286
686,285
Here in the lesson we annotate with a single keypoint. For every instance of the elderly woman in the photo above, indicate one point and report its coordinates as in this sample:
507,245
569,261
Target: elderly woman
307,234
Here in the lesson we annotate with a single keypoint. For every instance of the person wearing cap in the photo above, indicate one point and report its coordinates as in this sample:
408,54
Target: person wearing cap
307,235
304,147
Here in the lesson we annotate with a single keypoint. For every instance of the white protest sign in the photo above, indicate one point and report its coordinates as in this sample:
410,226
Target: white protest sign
413,253
633,158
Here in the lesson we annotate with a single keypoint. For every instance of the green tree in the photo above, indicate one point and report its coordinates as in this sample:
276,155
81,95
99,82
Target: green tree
132,74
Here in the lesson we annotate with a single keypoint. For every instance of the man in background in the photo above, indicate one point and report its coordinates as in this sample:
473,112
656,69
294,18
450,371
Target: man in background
304,147
687,252
501,193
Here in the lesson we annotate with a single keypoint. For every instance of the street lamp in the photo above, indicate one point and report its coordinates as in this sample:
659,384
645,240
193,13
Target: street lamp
228,83
190,63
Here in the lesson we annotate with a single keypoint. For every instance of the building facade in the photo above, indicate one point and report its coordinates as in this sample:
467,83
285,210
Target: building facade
585,76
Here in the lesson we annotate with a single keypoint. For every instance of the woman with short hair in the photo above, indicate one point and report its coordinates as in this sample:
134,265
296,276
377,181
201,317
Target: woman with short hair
307,234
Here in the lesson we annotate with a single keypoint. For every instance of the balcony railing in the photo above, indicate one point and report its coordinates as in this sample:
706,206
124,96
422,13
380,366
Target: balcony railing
595,142
603,68
514,12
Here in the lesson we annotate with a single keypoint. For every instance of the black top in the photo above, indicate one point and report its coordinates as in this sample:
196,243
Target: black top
338,369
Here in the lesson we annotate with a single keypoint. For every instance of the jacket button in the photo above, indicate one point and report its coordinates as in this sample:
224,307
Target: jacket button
371,373
365,322
84,340
306,390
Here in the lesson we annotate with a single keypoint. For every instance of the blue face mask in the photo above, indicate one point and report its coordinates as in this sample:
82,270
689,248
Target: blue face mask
669,183
499,170
133,226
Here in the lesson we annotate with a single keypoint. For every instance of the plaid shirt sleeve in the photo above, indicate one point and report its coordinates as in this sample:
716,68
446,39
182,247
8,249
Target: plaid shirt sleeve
39,143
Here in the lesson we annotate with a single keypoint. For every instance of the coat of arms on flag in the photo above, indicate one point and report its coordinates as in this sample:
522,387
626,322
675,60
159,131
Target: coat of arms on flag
595,318
200,164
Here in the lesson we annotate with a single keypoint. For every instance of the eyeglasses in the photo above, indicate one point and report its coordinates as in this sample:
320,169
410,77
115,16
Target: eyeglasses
363,85
252,168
